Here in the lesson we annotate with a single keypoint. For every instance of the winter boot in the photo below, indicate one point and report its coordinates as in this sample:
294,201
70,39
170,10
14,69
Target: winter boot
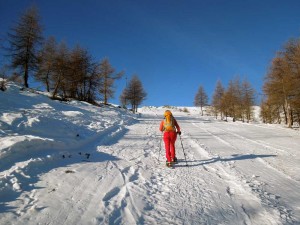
174,160
168,164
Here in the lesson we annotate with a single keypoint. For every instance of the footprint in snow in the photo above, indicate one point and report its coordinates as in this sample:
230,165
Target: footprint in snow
109,195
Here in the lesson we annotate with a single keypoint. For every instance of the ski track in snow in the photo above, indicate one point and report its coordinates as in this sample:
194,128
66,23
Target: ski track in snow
259,187
235,175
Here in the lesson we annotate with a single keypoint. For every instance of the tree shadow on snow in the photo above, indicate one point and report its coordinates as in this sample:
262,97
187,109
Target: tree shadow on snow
234,157
35,170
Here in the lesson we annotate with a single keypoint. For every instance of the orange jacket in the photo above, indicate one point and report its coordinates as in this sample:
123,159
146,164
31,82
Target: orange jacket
161,127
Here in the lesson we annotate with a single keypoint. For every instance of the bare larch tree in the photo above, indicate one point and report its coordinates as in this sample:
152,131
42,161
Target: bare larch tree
133,94
108,77
24,40
201,99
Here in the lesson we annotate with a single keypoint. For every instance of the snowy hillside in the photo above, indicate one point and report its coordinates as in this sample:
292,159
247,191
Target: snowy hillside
74,163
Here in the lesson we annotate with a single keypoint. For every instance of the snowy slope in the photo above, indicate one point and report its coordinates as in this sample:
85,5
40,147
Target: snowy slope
73,163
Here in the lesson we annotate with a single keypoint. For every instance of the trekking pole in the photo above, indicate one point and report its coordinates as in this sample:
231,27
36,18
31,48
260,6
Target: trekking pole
183,151
160,146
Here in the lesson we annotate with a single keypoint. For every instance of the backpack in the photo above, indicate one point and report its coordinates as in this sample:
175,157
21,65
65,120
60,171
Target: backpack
169,124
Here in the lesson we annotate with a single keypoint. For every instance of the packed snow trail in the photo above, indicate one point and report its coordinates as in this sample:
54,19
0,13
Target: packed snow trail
237,174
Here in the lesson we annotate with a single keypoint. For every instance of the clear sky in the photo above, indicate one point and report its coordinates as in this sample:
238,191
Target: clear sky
174,46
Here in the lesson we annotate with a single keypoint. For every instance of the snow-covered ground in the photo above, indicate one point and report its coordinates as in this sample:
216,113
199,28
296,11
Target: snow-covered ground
73,163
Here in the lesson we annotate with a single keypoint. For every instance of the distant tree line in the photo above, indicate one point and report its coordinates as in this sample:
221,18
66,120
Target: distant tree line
236,101
66,73
281,89
281,102
72,73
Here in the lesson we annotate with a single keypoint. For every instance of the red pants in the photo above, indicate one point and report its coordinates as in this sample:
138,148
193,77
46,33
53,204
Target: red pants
169,139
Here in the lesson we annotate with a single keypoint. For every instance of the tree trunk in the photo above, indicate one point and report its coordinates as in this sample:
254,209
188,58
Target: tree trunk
288,113
26,76
56,87
47,82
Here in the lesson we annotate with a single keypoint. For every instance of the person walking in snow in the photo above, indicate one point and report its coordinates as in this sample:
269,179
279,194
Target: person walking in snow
170,128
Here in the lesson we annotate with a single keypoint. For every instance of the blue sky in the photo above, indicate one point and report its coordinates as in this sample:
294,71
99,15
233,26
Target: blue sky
173,46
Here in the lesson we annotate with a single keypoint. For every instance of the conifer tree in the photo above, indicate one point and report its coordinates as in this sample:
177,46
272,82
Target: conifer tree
92,84
282,83
24,40
238,97
46,60
292,55
231,100
225,104
269,113
61,69
134,93
201,99
278,87
217,99
123,98
80,67
108,77
247,100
